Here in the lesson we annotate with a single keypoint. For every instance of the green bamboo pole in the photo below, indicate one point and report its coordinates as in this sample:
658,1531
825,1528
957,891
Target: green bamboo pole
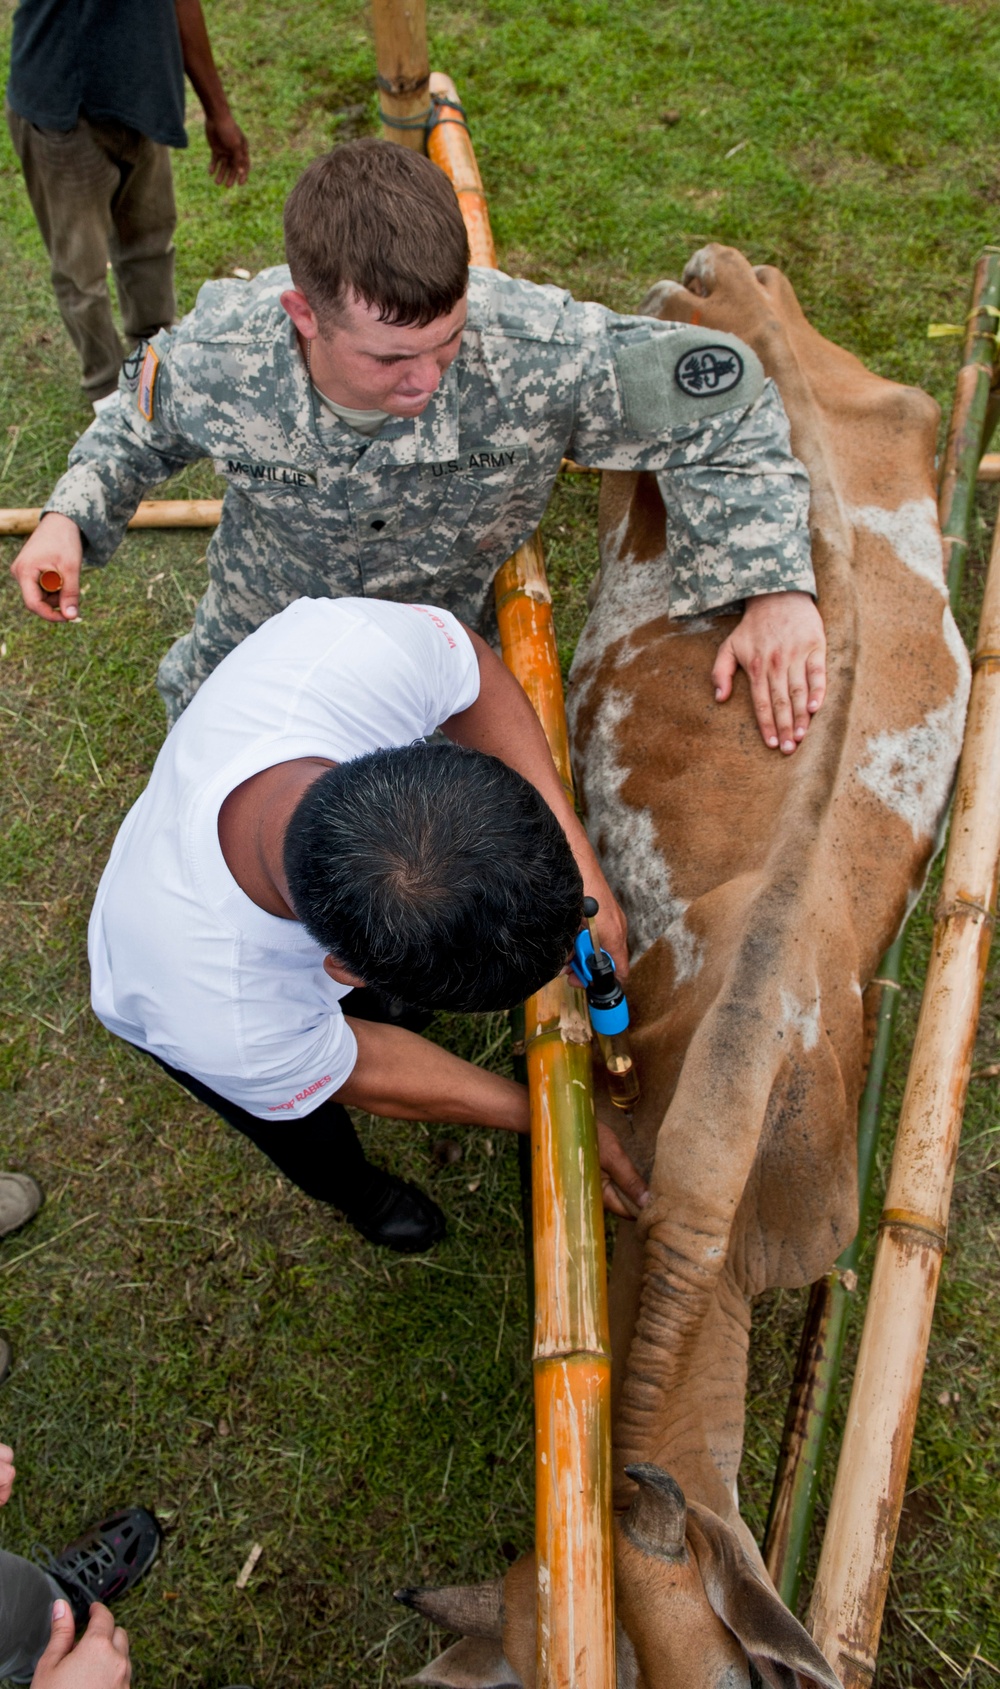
964,448
817,1370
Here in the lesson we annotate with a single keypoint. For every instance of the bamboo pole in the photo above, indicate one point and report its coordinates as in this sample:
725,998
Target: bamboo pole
957,484
450,146
571,1354
402,69
853,1576
989,467
152,513
817,1370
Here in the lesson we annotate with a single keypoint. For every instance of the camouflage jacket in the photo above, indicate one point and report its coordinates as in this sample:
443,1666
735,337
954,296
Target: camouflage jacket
431,507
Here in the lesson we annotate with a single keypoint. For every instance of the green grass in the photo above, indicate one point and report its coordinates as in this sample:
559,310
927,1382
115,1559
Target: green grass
204,1339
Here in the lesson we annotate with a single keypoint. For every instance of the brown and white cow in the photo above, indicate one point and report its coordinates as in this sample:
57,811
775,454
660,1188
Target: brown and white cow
761,892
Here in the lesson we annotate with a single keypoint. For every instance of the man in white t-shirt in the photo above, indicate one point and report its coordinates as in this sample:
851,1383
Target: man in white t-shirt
299,842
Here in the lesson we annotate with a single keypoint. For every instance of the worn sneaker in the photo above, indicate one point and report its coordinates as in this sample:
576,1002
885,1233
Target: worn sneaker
106,1560
20,1200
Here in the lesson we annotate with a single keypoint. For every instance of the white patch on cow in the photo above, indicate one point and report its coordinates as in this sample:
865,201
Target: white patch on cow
631,596
913,533
802,1018
626,841
911,770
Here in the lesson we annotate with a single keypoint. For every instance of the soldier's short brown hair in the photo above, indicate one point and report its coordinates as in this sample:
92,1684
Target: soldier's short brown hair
380,220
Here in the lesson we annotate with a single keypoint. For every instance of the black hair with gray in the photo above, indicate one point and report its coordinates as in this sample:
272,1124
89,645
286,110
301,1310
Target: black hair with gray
436,874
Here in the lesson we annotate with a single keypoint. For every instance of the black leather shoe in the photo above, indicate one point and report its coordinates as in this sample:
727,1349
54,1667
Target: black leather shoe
400,1217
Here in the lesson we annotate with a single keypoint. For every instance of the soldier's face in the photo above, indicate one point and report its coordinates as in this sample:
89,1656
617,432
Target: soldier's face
372,365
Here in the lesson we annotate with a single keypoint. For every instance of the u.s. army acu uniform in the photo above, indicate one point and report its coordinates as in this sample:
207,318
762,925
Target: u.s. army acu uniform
431,507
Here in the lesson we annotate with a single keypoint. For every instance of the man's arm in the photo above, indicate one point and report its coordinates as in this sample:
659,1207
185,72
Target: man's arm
406,1077
694,407
111,468
230,160
502,723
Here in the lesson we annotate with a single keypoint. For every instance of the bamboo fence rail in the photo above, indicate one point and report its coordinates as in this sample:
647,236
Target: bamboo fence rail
818,1364
968,416
571,1351
152,513
853,1575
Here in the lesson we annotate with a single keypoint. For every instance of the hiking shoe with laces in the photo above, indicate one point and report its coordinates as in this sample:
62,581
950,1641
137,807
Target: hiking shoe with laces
106,1560
20,1200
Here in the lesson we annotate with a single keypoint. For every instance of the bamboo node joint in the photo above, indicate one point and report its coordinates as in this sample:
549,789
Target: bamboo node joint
399,85
901,1219
964,906
983,658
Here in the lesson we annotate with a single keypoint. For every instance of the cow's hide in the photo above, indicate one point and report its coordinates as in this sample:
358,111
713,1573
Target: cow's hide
761,892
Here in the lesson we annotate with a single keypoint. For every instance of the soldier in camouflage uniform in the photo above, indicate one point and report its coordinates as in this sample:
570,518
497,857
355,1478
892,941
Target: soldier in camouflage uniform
424,499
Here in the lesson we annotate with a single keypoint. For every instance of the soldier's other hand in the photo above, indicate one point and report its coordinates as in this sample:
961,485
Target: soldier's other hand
624,1191
781,643
54,545
230,160
7,1473
99,1660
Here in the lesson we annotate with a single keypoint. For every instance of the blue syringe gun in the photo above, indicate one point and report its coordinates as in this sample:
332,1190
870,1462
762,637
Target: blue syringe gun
608,1012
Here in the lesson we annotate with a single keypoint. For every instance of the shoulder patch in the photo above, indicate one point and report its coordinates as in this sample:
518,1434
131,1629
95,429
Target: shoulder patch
707,370
147,383
132,365
673,375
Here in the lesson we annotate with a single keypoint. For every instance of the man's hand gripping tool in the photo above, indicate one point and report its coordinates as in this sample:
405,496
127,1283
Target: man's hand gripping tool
608,1012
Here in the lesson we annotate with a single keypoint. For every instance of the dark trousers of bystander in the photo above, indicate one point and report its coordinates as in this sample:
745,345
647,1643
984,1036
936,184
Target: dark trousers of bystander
26,1597
102,192
321,1153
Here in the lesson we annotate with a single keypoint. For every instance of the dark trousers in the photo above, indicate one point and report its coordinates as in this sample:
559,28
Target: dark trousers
26,1597
102,192
321,1153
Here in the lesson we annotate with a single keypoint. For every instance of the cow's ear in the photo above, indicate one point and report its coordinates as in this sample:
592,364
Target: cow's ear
477,1662
781,1649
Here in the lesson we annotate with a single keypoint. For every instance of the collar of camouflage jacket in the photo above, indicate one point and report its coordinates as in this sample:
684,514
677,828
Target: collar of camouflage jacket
429,438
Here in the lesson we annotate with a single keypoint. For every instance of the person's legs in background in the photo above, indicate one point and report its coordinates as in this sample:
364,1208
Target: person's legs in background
26,1597
141,240
71,183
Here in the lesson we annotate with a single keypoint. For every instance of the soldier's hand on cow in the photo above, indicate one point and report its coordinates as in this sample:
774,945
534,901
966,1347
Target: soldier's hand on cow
624,1191
55,544
781,644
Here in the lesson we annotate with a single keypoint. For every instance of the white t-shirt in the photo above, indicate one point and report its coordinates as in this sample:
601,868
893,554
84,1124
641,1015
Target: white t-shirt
183,963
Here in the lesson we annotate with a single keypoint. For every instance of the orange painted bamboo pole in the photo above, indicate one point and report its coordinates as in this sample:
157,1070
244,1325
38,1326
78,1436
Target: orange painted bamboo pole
853,1575
572,1360
450,146
152,513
